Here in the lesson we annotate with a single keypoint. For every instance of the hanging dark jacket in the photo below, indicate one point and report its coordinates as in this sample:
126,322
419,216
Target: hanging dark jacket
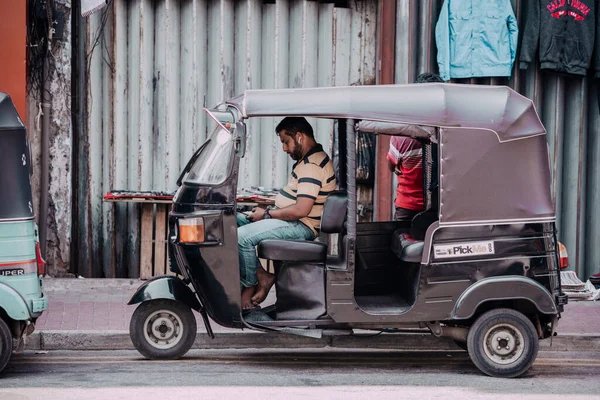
567,33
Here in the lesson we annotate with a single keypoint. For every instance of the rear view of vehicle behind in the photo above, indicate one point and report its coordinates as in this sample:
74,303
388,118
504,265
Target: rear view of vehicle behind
22,298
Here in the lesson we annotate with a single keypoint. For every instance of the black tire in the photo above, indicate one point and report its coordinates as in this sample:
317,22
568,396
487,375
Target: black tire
162,329
503,343
6,344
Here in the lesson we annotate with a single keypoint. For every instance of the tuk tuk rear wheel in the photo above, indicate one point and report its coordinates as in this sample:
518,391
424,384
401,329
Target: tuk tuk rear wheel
6,344
162,329
503,343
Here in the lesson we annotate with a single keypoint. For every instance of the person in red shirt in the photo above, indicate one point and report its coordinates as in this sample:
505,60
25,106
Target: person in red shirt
405,158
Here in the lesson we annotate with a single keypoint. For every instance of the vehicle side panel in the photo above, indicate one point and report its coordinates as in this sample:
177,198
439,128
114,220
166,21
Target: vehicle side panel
14,304
213,269
523,251
22,295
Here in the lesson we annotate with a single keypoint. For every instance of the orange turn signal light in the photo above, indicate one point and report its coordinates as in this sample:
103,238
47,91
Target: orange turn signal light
191,230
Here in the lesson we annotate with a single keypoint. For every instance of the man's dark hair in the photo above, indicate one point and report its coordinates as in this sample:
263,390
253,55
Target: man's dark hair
293,125
428,77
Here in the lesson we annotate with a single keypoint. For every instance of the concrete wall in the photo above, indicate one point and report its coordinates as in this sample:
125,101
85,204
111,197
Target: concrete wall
61,146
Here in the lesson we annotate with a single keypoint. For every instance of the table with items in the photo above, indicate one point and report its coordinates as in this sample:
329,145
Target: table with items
154,224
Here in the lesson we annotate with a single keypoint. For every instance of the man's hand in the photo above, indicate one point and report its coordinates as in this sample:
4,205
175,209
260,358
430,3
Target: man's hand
256,215
395,168
293,212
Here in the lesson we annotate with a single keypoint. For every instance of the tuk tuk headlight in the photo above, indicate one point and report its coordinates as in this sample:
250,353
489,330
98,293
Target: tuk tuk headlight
191,230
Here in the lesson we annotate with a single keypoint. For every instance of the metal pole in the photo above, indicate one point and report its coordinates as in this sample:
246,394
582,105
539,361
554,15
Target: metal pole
351,178
387,45
45,160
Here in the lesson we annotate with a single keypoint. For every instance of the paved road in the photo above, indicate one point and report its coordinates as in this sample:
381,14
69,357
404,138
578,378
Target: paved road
291,374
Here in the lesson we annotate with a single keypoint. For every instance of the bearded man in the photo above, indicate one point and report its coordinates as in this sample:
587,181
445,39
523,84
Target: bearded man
298,207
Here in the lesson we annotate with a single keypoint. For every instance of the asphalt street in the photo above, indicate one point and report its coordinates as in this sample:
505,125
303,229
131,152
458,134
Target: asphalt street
291,374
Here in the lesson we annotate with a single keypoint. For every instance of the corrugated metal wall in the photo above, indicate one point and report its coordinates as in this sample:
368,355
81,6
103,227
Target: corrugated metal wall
569,109
148,66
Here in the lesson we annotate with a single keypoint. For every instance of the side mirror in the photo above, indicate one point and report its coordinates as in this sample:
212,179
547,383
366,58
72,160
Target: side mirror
239,139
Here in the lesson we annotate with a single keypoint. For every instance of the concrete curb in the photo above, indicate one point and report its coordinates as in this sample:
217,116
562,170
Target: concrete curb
120,340
85,284
572,342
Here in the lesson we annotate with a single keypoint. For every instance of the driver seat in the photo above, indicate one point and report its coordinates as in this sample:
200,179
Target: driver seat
332,221
300,265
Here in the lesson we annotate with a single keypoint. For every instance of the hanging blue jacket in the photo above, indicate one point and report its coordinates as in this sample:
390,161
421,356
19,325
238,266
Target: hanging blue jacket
476,38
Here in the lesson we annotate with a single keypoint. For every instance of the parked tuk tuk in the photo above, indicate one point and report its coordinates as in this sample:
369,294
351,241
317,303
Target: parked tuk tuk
479,265
22,298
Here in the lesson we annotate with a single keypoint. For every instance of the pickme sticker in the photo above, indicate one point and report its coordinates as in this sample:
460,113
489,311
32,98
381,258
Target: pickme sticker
469,249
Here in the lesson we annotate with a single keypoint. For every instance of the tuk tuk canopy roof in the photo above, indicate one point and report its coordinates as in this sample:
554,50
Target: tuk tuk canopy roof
488,172
497,108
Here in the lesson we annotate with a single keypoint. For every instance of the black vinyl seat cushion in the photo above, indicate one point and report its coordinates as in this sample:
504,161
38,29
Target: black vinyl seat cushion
406,248
292,250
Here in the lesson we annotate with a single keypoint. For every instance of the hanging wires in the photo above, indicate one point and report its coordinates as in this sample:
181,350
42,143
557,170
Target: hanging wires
98,38
37,38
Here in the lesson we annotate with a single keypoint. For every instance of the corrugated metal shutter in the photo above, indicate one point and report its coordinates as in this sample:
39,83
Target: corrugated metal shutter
148,66
157,61
568,107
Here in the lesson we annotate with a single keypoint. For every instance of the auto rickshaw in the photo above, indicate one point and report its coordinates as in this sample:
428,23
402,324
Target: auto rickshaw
22,267
479,265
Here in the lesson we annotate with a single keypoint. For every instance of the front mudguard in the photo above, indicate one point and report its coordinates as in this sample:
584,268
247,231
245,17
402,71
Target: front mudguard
503,288
166,287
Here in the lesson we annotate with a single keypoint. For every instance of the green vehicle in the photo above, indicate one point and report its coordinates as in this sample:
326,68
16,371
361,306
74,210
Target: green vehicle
22,267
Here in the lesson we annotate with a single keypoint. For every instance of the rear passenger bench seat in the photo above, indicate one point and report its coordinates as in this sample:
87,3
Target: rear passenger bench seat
409,246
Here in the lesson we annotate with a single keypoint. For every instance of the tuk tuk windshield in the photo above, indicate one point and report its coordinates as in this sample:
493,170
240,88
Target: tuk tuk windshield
213,163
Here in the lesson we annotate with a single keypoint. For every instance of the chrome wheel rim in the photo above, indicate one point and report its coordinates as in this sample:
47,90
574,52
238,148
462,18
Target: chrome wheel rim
163,329
503,344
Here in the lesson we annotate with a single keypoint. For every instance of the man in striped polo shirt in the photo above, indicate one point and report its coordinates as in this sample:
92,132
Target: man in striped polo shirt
298,207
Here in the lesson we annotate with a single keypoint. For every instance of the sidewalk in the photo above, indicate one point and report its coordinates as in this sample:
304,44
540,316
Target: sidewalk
93,314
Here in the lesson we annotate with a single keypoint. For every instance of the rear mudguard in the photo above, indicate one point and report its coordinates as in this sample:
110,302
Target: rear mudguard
503,288
166,287
13,304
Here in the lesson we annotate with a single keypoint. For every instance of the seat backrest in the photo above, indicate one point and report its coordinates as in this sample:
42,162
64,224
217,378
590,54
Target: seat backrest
430,176
424,219
334,212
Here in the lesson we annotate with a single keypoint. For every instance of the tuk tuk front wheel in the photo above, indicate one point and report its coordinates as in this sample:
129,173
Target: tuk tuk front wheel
6,344
162,329
503,343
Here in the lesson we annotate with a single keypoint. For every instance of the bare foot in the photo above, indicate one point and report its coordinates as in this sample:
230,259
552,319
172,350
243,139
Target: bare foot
247,294
265,282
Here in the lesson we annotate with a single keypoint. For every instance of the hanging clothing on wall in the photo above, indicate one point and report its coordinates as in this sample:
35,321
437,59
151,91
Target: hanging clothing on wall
476,38
567,33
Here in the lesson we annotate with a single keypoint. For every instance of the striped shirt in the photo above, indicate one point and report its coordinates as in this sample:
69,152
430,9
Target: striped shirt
312,177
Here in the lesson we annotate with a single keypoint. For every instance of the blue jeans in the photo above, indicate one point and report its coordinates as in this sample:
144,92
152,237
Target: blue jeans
251,234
